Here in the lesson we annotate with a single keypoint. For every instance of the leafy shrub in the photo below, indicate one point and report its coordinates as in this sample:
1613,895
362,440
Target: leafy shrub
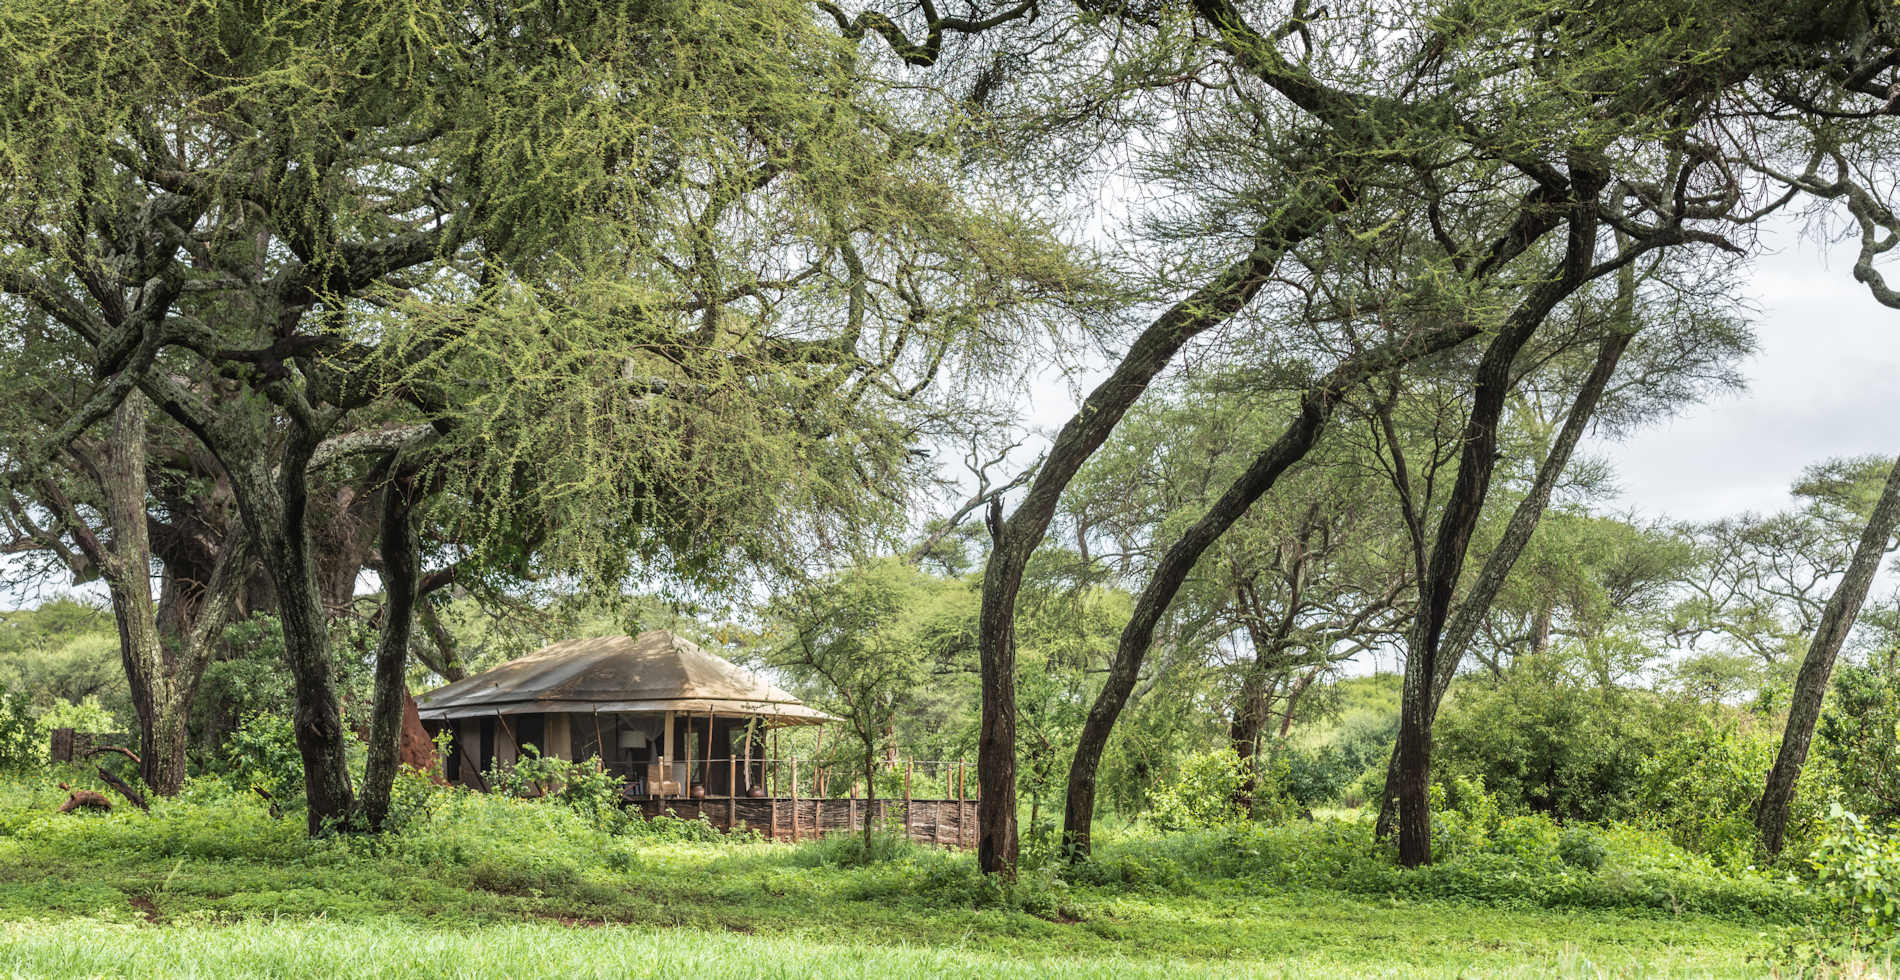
1857,868
1701,785
1544,743
1330,773
1464,815
584,787
1859,734
84,715
21,745
262,754
1208,790
669,827
1580,847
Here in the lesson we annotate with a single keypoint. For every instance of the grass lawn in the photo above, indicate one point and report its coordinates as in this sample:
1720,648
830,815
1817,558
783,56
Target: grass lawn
482,887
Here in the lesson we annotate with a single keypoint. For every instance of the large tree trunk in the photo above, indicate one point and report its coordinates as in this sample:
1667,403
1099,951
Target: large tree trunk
1517,534
1316,406
401,571
1810,686
162,671
1477,460
275,507
1016,538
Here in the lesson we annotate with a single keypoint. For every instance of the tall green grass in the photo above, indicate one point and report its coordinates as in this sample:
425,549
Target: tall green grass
211,884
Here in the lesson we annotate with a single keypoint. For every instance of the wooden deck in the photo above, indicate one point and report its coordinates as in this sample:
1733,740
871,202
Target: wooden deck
948,823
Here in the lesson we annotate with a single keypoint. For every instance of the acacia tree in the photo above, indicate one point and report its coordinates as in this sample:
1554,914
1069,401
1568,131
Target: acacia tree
1837,619
869,640
1308,577
94,519
581,281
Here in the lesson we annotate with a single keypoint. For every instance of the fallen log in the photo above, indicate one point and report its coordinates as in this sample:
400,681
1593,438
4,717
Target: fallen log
86,798
128,792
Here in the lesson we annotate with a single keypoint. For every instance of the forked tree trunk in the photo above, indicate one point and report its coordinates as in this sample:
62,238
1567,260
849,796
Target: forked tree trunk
1491,383
1503,557
1316,406
161,671
275,509
1016,538
1810,686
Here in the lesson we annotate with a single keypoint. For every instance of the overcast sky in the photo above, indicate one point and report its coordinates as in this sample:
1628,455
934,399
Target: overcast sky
1825,382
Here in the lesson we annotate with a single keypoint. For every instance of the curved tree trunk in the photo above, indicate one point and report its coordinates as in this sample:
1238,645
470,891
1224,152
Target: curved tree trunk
1491,383
1517,534
401,571
1301,434
1810,686
1016,538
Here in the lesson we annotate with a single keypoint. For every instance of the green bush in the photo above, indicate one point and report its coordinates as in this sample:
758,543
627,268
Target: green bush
1208,790
1857,868
1544,743
1859,734
1581,847
1701,785
1331,772
262,755
21,744
585,787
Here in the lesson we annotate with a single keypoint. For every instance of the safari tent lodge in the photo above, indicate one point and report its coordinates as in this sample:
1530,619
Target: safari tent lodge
686,730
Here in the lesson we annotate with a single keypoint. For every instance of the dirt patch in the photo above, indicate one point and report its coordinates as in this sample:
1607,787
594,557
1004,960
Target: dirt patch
146,907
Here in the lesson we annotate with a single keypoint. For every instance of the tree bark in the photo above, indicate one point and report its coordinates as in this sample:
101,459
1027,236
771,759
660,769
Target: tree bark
1810,686
1016,538
401,571
1517,534
162,671
272,487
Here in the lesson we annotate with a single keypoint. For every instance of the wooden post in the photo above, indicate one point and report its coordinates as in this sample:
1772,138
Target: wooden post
732,792
794,799
666,755
600,747
62,750
961,823
910,767
686,785
748,756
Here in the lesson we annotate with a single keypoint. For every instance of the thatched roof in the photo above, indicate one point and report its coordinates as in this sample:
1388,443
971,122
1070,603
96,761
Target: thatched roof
655,671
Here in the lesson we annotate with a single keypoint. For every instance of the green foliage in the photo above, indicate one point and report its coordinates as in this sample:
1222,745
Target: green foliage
1702,783
1544,742
88,715
1857,867
1234,896
1330,771
262,754
586,787
1582,848
65,652
21,743
1206,793
1859,733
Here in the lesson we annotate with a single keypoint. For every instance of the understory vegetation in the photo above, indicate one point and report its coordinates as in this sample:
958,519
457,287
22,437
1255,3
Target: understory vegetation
212,882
